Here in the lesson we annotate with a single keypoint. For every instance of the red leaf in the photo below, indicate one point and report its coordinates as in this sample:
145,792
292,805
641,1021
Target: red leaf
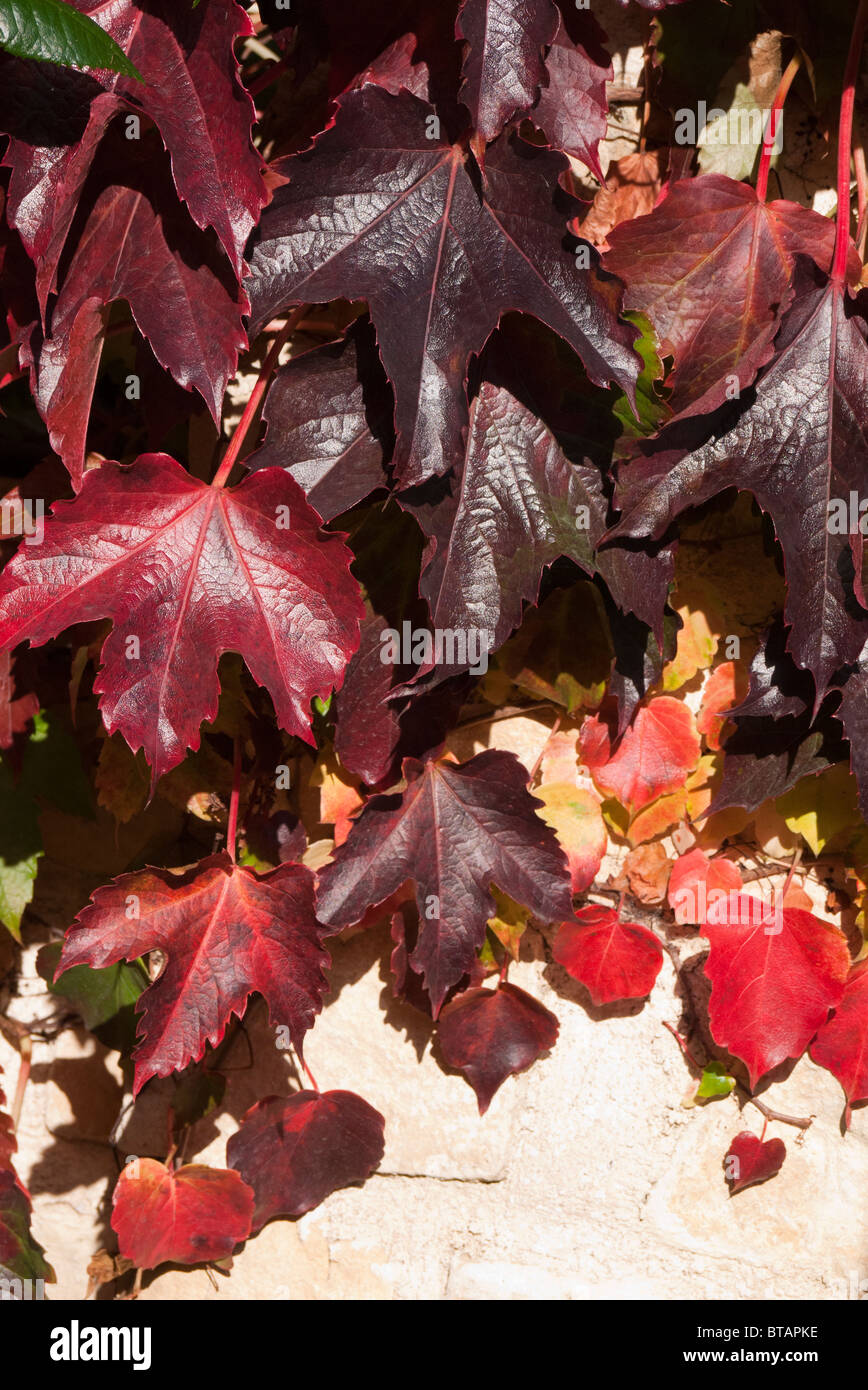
191,92
490,1034
749,1160
612,959
655,756
697,882
136,243
503,60
454,832
227,932
189,571
572,107
726,687
295,1150
373,184
842,1043
186,1217
775,974
707,232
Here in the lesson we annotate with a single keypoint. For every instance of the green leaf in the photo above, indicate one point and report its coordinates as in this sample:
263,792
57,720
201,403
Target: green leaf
97,995
652,408
714,1082
53,32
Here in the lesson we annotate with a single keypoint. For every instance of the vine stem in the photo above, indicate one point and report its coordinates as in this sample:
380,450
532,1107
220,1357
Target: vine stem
268,367
762,178
845,136
232,827
308,1073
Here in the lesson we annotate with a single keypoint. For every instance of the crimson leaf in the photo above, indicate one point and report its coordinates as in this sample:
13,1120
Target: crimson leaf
750,1160
612,959
187,571
191,92
381,208
227,932
454,832
842,1043
295,1150
186,1216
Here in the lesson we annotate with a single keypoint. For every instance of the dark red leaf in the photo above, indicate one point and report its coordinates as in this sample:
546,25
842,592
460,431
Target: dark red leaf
775,973
328,414
295,1150
612,959
454,832
842,1043
226,932
708,232
189,571
503,58
136,242
377,182
394,69
490,1034
187,1217
191,92
749,1160
796,447
573,108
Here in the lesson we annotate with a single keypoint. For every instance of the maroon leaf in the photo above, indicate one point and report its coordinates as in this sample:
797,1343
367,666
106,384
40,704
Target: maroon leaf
187,571
503,59
454,832
295,1150
749,1160
572,109
795,447
708,232
368,729
328,414
191,92
490,1034
374,184
188,1216
775,973
395,70
842,1043
136,242
226,932
613,959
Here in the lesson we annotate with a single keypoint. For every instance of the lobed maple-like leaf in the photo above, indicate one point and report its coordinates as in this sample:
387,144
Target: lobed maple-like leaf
186,1216
775,973
381,207
191,92
226,931
517,505
751,1160
295,1150
708,232
656,754
453,832
614,960
187,571
328,414
490,1034
841,1045
573,108
136,242
503,58
798,441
